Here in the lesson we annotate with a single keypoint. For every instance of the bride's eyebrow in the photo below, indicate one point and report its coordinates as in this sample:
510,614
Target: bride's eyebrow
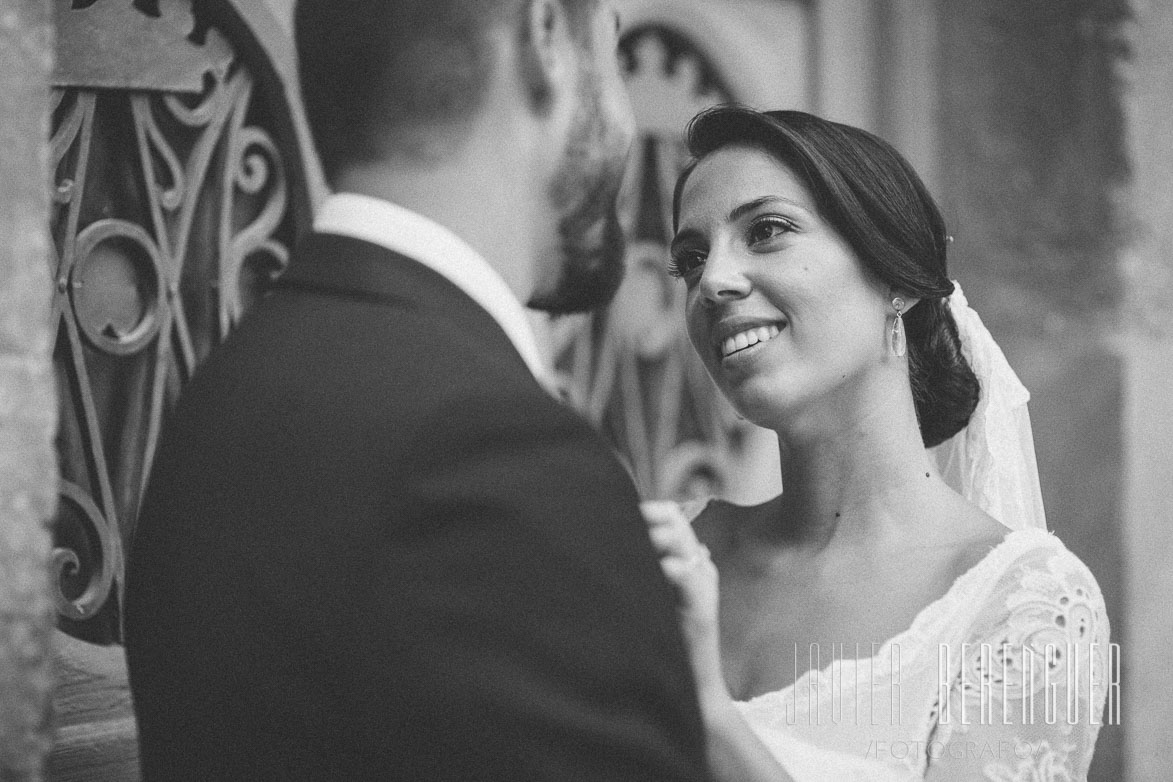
741,210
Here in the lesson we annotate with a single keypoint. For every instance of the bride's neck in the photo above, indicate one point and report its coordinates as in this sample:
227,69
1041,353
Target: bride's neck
853,473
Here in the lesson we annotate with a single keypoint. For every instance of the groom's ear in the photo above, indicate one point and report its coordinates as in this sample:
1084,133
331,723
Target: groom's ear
546,52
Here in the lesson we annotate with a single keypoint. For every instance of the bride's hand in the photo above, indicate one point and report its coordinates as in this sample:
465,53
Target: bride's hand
687,565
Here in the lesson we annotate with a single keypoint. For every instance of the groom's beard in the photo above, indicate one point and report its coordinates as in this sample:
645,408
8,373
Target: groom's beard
590,236
592,263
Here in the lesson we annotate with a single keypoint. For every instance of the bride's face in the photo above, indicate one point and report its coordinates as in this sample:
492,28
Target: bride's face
780,309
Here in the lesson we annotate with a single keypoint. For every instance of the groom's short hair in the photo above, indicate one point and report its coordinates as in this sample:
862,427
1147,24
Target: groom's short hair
388,76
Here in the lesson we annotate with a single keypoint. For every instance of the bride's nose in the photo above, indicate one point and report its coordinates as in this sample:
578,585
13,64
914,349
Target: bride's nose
723,279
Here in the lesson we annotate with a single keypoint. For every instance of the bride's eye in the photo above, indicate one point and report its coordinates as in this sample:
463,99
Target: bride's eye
765,228
686,262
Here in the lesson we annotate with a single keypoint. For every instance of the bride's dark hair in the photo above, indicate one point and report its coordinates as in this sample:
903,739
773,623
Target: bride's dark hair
874,200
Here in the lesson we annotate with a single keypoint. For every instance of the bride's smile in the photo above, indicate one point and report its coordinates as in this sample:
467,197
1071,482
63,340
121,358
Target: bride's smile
735,336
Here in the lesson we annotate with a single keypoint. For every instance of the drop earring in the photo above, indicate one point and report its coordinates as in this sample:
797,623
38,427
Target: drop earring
897,341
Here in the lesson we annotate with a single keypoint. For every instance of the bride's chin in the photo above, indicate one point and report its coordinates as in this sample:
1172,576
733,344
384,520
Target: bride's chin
756,410
763,404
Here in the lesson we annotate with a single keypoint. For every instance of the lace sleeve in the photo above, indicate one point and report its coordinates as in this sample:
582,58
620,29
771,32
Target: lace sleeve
1026,692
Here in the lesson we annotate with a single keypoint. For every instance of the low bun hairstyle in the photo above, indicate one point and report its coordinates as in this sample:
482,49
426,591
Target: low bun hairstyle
872,197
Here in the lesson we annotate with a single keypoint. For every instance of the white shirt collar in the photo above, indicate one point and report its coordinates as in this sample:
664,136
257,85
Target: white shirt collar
422,239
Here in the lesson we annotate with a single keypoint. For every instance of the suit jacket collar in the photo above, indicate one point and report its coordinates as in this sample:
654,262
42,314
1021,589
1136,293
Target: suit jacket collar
418,237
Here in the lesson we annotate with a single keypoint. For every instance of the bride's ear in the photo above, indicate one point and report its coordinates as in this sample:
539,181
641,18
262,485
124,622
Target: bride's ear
909,301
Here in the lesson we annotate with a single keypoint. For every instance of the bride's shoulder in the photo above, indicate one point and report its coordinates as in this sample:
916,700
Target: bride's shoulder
1038,551
1005,564
1040,586
950,523
1030,563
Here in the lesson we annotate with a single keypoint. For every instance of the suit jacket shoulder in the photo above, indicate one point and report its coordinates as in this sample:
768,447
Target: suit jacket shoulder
373,545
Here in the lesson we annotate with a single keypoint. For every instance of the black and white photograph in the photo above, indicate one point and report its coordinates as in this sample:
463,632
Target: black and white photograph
608,390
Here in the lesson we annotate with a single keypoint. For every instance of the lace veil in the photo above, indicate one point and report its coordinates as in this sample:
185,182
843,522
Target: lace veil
992,461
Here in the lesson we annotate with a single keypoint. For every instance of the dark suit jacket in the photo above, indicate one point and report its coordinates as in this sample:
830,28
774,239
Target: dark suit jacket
372,547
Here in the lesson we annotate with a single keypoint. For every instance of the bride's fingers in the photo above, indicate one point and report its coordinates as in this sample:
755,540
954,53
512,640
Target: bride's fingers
676,570
679,568
673,541
664,539
662,513
672,535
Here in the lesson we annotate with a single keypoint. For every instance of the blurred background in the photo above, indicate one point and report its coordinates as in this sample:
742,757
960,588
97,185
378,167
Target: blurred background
181,173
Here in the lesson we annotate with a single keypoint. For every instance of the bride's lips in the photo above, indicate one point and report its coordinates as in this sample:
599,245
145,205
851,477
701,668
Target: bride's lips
733,336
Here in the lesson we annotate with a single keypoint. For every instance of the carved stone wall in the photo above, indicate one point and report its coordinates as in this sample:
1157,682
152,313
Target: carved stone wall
27,407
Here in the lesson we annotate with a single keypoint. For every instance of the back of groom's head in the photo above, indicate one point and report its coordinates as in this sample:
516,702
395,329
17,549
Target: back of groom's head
383,77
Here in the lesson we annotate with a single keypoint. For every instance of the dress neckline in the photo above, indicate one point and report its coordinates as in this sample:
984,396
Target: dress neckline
997,555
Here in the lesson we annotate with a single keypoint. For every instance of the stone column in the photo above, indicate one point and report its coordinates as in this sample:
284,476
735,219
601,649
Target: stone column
28,409
1147,350
1033,157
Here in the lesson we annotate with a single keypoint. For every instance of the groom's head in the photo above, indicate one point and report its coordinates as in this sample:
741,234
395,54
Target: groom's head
407,80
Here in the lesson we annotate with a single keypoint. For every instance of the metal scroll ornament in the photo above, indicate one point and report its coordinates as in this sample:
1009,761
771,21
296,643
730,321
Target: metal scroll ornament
169,215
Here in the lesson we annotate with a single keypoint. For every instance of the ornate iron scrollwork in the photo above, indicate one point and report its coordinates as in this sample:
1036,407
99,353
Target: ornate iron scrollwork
170,215
631,368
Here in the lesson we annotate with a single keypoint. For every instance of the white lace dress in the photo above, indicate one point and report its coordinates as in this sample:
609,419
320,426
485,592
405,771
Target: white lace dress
1003,678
